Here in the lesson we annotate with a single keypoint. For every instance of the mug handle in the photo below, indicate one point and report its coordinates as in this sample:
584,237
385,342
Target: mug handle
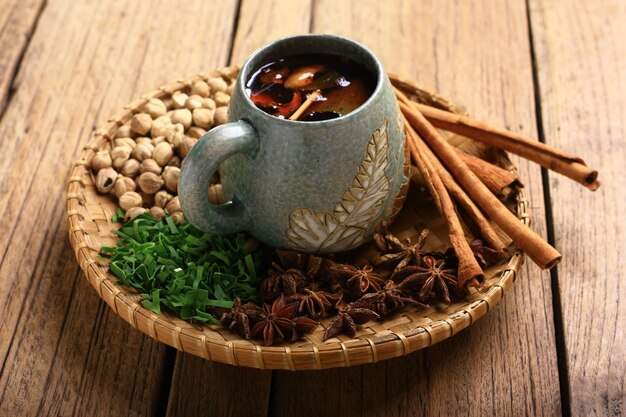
213,148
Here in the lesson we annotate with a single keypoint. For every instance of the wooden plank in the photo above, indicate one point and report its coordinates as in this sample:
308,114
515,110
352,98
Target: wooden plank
17,21
63,351
477,54
262,21
581,64
200,385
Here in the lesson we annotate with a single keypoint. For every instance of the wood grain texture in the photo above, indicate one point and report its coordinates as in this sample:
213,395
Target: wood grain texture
201,387
262,21
63,351
477,54
17,21
581,61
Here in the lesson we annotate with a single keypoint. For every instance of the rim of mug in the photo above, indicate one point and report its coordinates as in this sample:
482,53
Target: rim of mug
379,74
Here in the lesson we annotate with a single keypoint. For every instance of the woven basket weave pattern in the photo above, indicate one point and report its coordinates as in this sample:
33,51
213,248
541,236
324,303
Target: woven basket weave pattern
89,224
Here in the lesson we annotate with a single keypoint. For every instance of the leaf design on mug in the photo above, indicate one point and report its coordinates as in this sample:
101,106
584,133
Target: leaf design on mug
347,225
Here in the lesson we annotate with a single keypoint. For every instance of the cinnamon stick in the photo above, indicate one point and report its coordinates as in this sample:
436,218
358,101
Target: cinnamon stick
495,178
468,266
537,249
309,100
548,157
486,230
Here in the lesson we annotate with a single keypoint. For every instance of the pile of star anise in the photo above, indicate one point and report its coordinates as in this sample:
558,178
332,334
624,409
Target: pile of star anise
300,289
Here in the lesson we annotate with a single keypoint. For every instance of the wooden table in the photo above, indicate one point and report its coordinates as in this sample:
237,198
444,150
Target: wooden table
550,69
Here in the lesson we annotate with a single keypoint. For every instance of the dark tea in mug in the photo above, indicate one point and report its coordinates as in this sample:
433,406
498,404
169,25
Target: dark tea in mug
310,87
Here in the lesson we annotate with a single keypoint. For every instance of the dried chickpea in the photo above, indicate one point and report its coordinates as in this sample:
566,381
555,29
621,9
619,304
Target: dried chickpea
150,183
182,116
194,102
157,213
221,115
129,200
221,99
217,84
130,168
105,180
155,108
162,153
200,88
141,123
178,99
203,118
123,185
196,132
150,165
133,213
101,160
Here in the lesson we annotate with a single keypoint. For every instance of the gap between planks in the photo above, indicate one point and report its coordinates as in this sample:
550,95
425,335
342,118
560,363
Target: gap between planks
557,309
8,80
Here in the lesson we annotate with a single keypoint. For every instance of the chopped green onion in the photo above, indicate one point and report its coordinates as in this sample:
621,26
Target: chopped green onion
182,269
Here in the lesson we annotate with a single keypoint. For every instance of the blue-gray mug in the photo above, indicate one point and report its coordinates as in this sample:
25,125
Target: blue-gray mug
317,187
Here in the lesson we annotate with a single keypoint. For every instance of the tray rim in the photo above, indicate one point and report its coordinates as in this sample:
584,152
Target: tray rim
241,352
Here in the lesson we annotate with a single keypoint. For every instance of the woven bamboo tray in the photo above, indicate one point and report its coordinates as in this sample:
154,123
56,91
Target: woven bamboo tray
89,223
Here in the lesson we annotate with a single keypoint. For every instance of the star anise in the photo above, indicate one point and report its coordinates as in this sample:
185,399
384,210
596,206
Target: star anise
387,300
346,321
432,278
400,253
281,281
314,302
316,268
319,269
241,317
303,326
358,281
483,253
277,322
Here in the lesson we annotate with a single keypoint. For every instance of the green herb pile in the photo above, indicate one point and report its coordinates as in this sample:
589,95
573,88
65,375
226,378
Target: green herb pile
182,268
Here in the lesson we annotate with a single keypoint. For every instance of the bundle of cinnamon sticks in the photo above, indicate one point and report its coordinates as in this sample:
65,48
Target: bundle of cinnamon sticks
457,180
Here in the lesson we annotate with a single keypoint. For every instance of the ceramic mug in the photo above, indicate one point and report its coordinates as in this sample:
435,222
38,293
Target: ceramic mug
317,187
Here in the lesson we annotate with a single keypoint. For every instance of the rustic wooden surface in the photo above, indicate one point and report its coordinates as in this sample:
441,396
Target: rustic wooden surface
582,91
549,69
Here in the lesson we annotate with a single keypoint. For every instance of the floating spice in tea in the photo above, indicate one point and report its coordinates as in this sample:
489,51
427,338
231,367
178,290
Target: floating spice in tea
333,85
